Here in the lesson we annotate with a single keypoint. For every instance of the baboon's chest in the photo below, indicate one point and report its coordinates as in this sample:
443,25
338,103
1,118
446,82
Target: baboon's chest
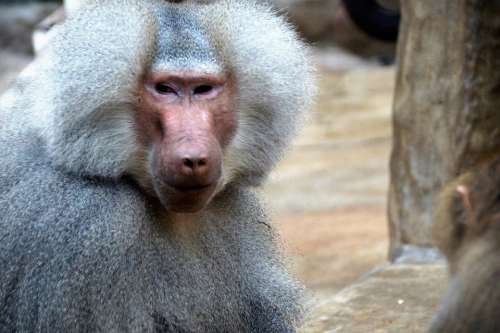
199,287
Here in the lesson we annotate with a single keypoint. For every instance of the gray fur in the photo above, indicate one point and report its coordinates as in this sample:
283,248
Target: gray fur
82,248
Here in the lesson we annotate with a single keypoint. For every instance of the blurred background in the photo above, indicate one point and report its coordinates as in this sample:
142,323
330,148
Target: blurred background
328,197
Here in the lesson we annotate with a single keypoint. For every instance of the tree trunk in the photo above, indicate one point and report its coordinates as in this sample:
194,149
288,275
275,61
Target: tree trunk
446,107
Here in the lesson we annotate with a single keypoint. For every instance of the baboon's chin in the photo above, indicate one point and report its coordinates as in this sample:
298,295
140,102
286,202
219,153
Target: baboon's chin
191,200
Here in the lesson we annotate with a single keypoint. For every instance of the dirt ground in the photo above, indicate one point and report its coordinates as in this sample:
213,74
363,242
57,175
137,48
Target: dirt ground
328,197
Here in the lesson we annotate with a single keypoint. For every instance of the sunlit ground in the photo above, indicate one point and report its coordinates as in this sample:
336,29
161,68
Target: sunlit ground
328,196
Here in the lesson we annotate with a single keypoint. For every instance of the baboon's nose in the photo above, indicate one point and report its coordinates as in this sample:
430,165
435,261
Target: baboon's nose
195,165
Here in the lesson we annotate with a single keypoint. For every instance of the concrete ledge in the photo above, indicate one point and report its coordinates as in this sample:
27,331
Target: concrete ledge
393,298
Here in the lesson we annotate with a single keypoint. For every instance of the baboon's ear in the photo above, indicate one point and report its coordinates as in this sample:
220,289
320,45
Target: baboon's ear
464,193
467,204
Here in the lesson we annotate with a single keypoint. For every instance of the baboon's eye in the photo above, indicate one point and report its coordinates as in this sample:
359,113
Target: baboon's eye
203,89
164,89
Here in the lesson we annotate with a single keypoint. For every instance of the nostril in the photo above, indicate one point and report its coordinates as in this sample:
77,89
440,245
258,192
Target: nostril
188,162
194,164
203,89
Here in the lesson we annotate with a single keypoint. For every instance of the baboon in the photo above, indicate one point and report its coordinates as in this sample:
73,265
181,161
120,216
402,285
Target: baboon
129,154
467,231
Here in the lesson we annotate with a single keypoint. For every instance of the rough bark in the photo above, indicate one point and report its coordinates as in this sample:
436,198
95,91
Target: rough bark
446,107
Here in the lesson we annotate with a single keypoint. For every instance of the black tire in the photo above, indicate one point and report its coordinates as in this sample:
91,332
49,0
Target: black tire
376,21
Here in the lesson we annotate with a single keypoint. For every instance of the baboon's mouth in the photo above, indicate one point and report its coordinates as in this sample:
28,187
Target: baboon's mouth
186,199
192,189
